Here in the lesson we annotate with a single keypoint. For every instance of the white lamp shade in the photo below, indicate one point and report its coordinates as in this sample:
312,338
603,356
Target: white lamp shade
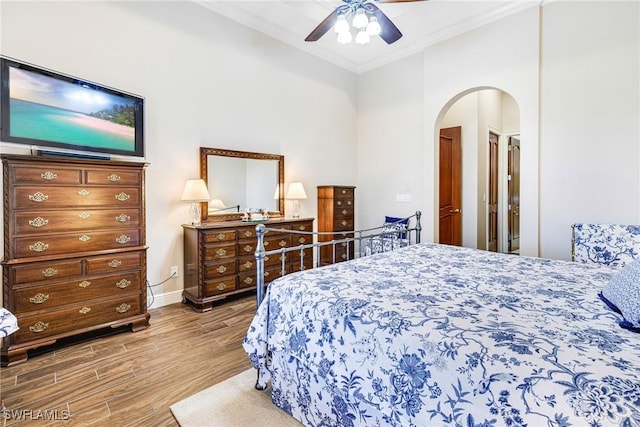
216,204
296,191
195,190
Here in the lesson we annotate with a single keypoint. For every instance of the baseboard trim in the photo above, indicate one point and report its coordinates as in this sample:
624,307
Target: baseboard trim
160,300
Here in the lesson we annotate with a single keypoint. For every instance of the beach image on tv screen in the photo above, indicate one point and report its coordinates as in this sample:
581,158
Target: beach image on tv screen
49,109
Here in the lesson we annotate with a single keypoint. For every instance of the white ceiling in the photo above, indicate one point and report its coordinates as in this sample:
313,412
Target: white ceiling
422,23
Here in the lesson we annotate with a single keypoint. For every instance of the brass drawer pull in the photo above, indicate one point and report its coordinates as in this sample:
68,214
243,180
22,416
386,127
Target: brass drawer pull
122,284
84,215
344,191
123,218
115,263
84,238
248,264
39,326
84,310
84,192
84,284
38,197
123,197
249,248
113,177
48,176
302,228
221,252
302,240
339,202
222,286
344,222
282,243
266,274
344,211
265,244
221,236
349,202
123,308
248,280
221,269
38,222
39,247
39,298
248,233
49,272
123,239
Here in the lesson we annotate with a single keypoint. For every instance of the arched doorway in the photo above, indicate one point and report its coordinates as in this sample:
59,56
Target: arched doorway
489,123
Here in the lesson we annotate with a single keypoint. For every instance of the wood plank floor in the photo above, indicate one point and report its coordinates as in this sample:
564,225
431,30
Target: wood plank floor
130,379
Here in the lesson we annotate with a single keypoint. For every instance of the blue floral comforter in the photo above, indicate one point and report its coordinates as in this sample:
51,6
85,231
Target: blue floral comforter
433,335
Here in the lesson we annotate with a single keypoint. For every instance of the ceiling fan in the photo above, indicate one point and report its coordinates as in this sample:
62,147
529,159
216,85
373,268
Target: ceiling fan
367,18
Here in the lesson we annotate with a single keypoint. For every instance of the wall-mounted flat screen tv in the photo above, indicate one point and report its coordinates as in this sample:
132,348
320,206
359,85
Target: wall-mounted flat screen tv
57,112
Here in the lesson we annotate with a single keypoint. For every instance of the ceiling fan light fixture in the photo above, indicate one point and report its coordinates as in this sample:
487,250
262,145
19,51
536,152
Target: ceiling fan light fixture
362,37
360,20
342,26
345,37
373,28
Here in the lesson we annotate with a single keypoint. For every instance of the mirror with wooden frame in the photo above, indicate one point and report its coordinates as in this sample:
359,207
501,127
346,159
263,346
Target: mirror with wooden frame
239,181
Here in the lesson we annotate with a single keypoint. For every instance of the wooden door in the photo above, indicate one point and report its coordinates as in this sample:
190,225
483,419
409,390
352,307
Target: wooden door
513,166
450,212
492,202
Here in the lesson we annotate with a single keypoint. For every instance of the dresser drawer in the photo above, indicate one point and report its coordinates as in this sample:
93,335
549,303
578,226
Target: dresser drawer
115,263
65,220
75,242
32,197
47,175
342,203
52,270
295,260
216,287
247,233
250,263
220,269
342,212
248,279
216,236
216,252
112,177
83,289
343,224
83,315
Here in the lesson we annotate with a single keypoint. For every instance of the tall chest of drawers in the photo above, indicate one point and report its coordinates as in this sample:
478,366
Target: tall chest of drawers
74,249
219,257
336,208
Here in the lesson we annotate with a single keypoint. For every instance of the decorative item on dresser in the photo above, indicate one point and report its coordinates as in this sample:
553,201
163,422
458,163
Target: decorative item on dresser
336,205
74,249
219,257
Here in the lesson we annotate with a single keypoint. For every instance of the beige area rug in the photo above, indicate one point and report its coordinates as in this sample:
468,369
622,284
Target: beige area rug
232,403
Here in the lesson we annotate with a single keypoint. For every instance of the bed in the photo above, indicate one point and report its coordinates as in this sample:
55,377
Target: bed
430,335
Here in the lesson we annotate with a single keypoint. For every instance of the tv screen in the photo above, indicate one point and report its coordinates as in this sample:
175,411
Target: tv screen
47,109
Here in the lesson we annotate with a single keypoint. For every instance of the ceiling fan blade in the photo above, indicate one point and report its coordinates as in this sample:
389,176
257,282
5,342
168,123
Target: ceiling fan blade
323,27
389,32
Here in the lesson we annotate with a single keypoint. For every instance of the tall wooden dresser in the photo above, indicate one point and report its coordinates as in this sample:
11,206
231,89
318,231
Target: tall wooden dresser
336,207
74,249
219,257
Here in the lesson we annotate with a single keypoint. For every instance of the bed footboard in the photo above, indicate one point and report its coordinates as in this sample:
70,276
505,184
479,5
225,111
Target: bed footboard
365,242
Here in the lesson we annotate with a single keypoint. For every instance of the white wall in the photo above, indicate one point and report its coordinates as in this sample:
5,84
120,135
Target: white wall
207,81
590,115
572,68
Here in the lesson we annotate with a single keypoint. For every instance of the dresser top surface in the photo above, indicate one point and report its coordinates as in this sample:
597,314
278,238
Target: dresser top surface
232,224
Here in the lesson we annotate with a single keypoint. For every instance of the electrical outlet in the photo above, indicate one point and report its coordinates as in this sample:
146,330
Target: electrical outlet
174,271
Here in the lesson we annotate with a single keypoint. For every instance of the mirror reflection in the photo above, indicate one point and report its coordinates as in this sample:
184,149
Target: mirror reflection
239,181
243,183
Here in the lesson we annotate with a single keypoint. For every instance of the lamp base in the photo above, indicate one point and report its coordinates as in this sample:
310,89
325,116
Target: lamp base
195,213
